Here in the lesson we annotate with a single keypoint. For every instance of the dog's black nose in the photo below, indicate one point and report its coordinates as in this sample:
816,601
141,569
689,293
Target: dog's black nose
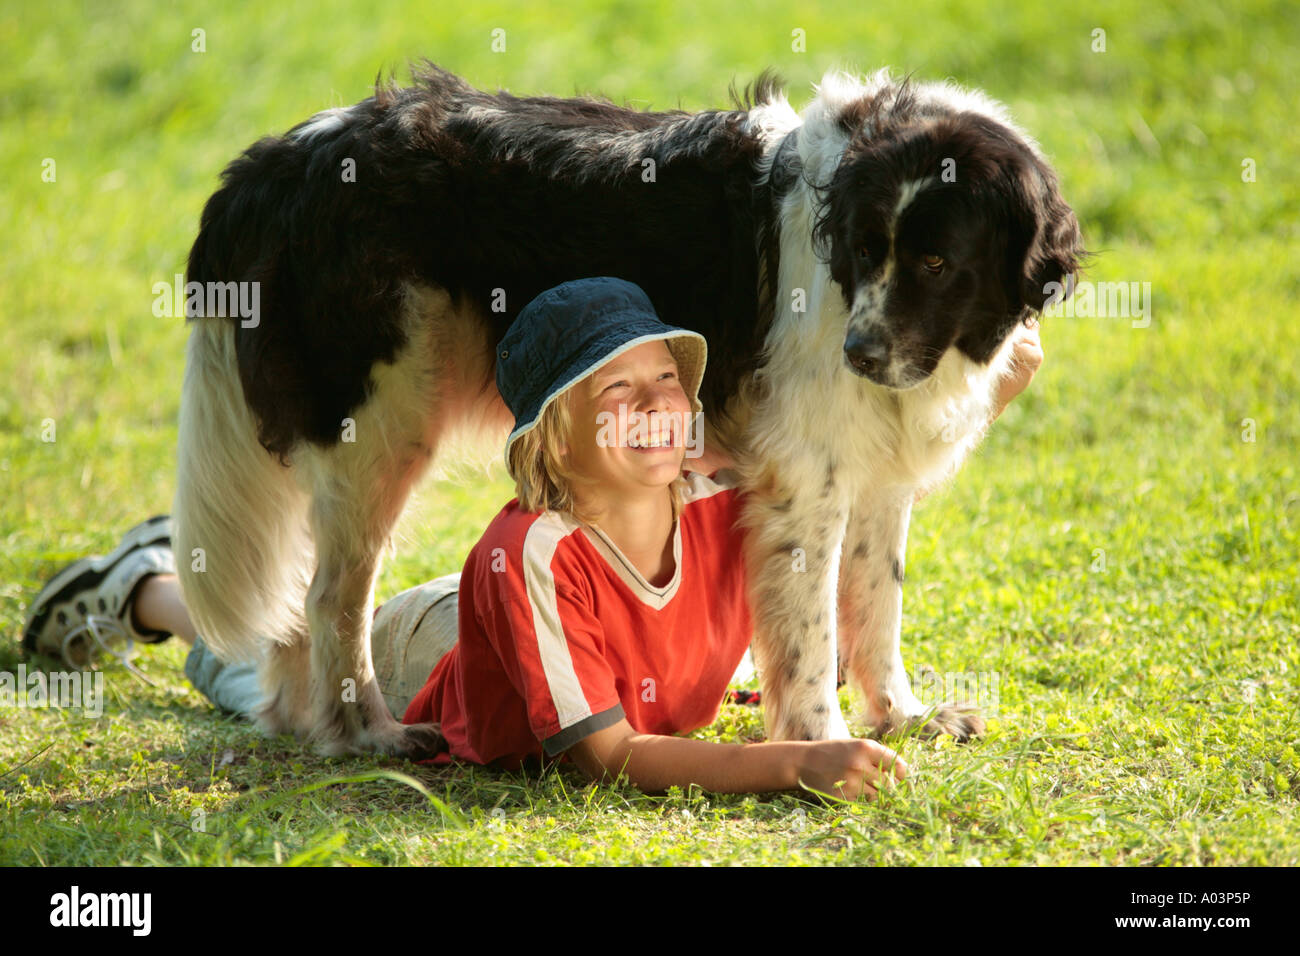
867,353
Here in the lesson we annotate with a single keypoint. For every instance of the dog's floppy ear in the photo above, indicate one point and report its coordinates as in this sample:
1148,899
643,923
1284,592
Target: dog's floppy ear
1046,245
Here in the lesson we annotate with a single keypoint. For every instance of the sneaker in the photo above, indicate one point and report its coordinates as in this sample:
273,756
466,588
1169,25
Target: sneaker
85,609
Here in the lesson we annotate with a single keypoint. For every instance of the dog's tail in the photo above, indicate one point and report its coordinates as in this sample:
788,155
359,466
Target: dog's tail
240,524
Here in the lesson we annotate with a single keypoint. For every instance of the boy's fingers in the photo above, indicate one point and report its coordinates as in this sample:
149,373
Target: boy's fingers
883,757
879,778
898,766
1028,349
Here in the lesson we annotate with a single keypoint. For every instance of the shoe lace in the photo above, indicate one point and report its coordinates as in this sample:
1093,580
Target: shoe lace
103,632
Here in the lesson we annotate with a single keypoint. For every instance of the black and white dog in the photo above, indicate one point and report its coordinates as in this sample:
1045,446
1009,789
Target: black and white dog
858,270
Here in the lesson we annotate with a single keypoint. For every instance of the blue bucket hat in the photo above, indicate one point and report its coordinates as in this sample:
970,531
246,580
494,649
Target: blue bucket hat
566,333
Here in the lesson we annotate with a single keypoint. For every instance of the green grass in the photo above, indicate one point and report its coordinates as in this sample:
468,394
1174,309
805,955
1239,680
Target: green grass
1148,703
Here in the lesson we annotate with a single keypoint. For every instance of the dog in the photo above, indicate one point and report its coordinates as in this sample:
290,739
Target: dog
858,270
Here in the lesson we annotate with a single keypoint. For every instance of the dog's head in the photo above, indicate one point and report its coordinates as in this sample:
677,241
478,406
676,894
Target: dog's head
943,228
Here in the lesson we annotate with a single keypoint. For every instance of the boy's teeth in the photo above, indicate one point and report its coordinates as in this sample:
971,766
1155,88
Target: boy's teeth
656,438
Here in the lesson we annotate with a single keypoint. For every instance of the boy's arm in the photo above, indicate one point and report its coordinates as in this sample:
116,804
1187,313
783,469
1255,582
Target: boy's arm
843,768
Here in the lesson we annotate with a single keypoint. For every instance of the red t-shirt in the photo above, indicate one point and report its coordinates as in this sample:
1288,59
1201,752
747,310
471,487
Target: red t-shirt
560,635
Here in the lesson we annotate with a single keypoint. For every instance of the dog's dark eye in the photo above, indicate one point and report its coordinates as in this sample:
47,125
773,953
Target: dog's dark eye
933,263
873,247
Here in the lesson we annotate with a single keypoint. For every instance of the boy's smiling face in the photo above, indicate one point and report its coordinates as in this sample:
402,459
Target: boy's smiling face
630,420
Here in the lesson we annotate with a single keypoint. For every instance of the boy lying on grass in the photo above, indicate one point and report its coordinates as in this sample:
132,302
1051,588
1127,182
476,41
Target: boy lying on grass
604,609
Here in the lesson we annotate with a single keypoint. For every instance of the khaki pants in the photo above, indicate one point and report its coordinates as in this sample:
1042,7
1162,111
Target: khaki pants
410,634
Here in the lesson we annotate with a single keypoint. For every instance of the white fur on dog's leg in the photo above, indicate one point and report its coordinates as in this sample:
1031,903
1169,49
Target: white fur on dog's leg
871,602
792,550
838,728
870,607
285,676
896,690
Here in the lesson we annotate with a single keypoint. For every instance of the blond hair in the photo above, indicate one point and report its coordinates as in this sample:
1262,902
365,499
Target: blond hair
544,479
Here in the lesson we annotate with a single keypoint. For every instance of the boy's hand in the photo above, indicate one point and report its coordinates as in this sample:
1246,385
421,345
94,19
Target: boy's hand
1028,357
850,768
712,459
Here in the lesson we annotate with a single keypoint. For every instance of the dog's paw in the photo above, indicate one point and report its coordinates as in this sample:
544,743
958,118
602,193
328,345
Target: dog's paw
408,741
960,721
422,742
383,736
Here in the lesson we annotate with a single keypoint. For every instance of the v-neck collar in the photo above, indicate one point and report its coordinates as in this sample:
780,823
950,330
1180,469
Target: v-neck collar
644,591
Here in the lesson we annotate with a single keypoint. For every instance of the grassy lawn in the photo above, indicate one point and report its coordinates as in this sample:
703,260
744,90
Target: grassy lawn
1122,553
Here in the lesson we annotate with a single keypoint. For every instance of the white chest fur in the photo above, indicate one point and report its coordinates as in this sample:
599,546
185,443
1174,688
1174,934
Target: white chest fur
820,416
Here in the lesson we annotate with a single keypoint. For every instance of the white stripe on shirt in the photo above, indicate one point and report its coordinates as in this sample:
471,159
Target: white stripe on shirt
540,544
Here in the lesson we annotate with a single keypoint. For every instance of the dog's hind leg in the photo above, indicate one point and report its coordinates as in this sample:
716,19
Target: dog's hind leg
870,623
285,675
359,487
349,714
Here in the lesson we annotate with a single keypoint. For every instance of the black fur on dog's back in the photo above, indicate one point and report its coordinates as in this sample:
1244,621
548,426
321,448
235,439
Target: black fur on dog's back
478,192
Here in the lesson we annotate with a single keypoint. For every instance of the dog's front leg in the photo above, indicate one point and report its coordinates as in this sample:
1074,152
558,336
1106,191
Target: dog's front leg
791,558
870,622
